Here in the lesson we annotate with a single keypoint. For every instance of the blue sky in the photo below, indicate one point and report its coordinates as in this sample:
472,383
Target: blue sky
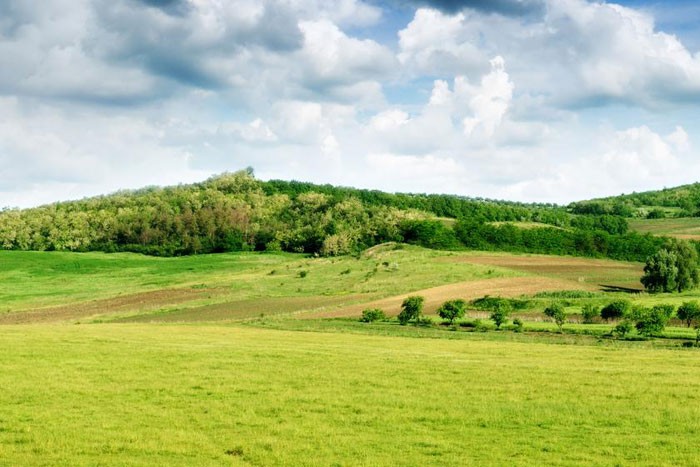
532,100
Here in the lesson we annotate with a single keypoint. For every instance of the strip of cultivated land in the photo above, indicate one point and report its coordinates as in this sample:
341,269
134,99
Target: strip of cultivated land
206,395
685,227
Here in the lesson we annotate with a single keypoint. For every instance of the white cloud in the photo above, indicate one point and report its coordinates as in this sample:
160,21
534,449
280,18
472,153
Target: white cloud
578,53
435,42
489,101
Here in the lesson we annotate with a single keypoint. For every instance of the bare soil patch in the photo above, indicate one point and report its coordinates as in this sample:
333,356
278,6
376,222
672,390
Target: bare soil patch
132,302
595,273
435,296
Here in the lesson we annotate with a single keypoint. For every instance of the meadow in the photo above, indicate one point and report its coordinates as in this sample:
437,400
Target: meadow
259,359
227,395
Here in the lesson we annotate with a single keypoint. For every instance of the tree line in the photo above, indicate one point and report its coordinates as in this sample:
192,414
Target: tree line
236,212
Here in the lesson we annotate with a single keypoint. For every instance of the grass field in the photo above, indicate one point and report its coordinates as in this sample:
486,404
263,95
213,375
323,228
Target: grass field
69,286
131,360
684,227
208,395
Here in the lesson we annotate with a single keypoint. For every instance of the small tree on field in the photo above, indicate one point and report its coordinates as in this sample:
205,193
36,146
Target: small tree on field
689,312
652,321
557,313
614,310
500,313
411,310
452,309
589,313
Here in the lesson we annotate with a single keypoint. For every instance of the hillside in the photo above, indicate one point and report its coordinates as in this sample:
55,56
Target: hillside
680,201
236,212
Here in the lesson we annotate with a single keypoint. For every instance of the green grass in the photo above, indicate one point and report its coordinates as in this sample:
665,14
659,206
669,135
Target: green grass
41,279
206,395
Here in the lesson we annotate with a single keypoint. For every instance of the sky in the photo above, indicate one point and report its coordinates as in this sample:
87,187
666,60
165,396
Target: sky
528,100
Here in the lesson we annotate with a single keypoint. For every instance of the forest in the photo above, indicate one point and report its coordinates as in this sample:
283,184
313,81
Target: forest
237,212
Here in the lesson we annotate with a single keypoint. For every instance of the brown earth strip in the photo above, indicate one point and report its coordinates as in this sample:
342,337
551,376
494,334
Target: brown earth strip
132,302
435,296
243,309
596,274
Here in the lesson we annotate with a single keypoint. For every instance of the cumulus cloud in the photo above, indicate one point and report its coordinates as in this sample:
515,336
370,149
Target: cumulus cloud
507,98
577,53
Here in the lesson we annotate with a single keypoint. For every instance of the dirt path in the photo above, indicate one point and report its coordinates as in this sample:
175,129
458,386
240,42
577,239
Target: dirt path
435,296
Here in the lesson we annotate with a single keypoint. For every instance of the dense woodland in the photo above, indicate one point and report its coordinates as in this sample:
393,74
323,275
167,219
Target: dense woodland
234,211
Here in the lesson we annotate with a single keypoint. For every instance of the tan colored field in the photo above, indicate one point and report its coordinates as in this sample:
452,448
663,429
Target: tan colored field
687,228
592,274
435,296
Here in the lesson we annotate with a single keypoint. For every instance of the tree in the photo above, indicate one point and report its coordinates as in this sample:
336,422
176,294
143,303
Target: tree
452,309
500,313
689,312
661,272
557,313
411,310
614,310
687,264
589,313
673,268
652,321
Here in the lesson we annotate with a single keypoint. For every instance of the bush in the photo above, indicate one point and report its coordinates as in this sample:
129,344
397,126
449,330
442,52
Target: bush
651,322
518,323
615,310
622,329
452,309
372,314
500,313
589,313
303,274
557,313
689,312
489,303
565,294
411,309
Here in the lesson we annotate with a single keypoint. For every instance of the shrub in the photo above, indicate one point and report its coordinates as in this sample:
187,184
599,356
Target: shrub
589,313
518,323
565,294
303,274
622,329
689,312
489,303
615,310
424,321
411,309
500,313
452,309
652,321
370,315
557,313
